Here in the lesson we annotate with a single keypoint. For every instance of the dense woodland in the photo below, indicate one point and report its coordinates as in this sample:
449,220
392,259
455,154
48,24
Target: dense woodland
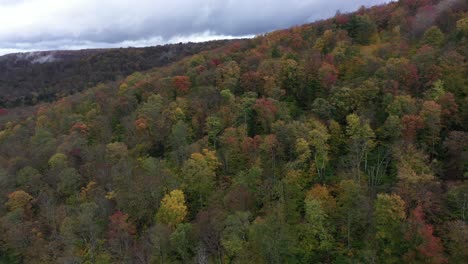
341,141
30,78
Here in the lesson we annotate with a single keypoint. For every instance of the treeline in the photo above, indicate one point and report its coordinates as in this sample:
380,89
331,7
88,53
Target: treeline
31,78
342,141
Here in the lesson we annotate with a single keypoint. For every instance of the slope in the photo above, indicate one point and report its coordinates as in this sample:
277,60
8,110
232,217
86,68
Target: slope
341,141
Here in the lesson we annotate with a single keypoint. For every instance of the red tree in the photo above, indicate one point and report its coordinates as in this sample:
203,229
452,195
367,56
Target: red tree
182,83
449,107
266,110
411,124
120,234
252,81
216,62
328,74
119,224
427,247
80,127
141,123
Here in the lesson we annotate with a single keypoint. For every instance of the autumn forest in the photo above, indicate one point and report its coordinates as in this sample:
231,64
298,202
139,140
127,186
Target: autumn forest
340,141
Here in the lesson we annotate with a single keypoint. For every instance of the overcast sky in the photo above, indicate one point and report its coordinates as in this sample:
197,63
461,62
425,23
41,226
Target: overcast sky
30,25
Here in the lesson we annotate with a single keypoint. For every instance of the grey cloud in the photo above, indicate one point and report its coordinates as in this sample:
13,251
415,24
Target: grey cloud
52,24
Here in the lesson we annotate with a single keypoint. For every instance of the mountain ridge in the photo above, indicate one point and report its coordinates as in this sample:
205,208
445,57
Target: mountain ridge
26,78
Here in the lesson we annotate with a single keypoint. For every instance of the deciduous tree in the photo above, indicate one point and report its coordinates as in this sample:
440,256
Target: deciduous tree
173,209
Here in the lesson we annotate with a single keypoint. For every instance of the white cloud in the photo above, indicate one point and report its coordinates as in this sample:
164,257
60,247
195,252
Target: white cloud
59,24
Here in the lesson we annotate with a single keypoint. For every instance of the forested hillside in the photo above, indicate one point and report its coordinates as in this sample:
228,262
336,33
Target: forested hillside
29,78
340,141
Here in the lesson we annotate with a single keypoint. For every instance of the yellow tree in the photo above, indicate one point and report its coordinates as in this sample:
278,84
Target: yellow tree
173,209
199,176
323,195
18,199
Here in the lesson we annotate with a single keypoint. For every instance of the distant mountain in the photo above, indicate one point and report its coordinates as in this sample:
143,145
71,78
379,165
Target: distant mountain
28,78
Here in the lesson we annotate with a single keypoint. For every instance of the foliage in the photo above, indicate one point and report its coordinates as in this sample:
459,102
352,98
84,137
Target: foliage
18,200
340,141
173,209
389,217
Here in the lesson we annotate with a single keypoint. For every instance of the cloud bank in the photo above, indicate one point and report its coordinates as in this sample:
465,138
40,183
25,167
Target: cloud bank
76,24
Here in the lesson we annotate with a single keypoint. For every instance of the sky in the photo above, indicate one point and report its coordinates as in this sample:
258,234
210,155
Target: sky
33,25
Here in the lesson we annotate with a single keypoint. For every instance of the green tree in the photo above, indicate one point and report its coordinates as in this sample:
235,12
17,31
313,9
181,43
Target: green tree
58,161
456,241
437,91
390,131
430,114
462,28
82,232
159,237
235,235
315,239
303,151
352,215
290,78
362,29
44,143
182,242
30,178
337,139
270,240
434,37
116,152
361,142
179,140
214,127
199,175
402,105
389,224
457,202
70,182
322,108
319,137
